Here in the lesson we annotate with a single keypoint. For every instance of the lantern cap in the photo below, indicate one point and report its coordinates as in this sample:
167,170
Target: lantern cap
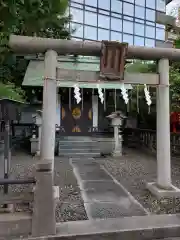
117,114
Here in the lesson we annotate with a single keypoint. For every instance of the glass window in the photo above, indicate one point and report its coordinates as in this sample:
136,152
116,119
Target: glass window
140,2
103,21
76,5
90,18
103,34
160,34
78,30
150,31
116,24
150,15
116,6
128,27
139,12
128,18
128,9
149,42
150,23
77,15
161,5
90,33
115,36
151,4
130,1
91,2
104,12
128,38
138,41
139,29
160,25
79,1
117,15
91,9
139,20
76,39
105,4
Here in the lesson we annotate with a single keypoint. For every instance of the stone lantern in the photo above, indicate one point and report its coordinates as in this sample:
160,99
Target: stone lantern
36,142
117,121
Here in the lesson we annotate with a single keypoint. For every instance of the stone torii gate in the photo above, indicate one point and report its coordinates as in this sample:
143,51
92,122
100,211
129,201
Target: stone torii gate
54,47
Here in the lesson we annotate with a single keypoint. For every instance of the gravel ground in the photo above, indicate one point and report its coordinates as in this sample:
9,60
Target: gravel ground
70,206
133,170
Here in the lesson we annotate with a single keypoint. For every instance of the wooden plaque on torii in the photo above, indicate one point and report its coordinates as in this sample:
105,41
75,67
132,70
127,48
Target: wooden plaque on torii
113,60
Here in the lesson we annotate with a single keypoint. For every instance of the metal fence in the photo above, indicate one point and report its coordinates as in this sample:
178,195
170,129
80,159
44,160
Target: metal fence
146,138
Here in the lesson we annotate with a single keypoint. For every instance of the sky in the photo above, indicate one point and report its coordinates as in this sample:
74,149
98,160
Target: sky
172,5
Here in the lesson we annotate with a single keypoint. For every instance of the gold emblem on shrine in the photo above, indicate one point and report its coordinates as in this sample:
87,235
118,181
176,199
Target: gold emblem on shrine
113,59
76,129
63,113
76,113
90,114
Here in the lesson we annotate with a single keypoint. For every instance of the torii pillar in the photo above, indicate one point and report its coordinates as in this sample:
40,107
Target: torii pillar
163,186
44,221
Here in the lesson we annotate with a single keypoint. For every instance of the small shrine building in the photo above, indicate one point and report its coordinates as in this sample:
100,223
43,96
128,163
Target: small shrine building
81,108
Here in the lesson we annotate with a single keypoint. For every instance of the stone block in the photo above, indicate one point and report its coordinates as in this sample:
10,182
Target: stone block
43,221
161,193
34,145
15,224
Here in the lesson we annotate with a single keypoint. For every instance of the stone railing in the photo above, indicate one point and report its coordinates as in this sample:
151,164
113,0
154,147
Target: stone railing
147,139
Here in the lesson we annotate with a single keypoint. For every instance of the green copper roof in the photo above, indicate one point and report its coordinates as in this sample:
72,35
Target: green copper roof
35,72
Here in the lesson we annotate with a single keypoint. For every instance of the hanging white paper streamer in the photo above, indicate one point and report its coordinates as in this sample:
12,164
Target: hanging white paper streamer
100,93
77,94
124,94
147,95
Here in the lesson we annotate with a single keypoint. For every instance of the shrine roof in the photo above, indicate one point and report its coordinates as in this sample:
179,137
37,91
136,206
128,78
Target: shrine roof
68,69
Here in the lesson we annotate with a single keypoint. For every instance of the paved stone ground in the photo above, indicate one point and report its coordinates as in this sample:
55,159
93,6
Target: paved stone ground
136,168
70,206
103,196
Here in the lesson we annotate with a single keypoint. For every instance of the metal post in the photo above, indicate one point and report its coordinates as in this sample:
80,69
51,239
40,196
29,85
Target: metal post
6,153
39,138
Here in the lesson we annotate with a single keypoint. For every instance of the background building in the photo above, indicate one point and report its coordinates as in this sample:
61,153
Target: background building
171,33
132,21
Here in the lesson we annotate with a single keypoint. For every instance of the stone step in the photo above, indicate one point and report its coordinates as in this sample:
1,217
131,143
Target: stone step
71,138
150,227
79,150
14,224
85,147
76,154
79,144
76,141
